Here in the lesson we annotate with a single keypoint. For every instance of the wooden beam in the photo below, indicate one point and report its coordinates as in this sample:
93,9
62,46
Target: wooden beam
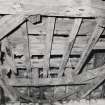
91,43
58,49
41,82
72,37
26,48
8,23
48,46
46,7
83,78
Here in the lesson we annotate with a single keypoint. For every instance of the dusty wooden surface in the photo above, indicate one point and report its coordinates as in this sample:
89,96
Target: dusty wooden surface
56,7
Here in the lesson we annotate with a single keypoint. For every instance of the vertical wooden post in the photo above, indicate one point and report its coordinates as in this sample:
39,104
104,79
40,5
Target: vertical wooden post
26,47
48,46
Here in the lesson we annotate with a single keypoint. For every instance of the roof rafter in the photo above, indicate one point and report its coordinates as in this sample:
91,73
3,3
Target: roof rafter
91,43
9,22
72,36
26,47
48,45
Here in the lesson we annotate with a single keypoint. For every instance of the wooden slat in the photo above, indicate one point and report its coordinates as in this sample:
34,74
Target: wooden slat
59,49
9,23
63,27
69,45
48,46
91,43
26,47
41,82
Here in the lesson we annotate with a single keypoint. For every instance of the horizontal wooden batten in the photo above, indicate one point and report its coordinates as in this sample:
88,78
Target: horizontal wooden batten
59,49
63,27
81,79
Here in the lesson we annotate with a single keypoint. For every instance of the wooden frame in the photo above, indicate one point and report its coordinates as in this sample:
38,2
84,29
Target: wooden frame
16,20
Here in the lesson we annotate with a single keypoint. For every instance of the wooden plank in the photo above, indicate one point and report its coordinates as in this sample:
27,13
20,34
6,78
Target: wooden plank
46,7
72,37
41,82
58,49
91,43
63,27
84,78
26,48
48,46
39,63
8,23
